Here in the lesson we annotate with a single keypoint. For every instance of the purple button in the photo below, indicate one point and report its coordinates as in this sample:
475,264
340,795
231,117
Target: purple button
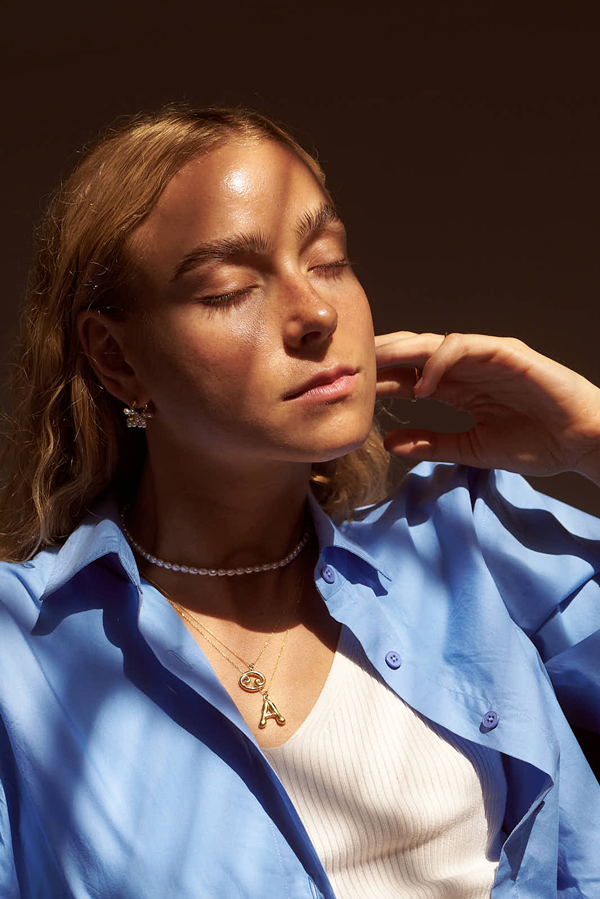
490,721
328,574
393,660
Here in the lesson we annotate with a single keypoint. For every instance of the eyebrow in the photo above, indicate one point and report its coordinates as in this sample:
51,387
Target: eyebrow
311,223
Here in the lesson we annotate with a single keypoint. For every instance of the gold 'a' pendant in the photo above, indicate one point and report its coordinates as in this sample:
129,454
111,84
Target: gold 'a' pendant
270,710
252,682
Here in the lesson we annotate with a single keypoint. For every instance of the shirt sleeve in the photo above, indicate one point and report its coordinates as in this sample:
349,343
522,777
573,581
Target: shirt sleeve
544,557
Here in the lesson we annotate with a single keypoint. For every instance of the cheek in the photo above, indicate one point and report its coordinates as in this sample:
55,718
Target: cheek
189,365
359,323
362,328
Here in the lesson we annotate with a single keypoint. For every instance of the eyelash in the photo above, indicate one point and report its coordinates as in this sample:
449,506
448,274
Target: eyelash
333,270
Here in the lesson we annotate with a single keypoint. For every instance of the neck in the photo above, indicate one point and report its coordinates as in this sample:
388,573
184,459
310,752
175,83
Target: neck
227,518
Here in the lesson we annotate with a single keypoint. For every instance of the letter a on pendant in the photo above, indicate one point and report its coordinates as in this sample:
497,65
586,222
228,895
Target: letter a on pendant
269,710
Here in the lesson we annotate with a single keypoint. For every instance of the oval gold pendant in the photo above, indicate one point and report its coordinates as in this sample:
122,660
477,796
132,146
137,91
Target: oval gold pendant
252,681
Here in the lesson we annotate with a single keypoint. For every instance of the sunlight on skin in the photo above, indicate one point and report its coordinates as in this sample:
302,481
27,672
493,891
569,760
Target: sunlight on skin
532,415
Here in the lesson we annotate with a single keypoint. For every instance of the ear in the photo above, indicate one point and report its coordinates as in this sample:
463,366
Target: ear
102,341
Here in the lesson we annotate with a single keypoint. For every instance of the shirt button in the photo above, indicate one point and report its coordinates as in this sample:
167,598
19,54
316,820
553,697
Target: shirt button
393,660
490,720
328,574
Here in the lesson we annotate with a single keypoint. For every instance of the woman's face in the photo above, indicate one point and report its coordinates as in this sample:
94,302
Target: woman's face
240,271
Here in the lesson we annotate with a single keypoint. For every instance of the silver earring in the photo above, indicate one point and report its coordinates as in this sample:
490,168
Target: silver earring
137,418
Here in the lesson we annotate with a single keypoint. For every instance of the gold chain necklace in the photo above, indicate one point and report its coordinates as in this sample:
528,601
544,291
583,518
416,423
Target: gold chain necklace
251,680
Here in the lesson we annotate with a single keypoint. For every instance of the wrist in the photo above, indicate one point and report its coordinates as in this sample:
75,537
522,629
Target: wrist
590,466
589,461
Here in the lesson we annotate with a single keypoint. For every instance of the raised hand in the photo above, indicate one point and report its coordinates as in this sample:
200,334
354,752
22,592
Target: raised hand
532,415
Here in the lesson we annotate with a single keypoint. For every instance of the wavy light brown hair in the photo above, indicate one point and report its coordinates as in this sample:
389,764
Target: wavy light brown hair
67,441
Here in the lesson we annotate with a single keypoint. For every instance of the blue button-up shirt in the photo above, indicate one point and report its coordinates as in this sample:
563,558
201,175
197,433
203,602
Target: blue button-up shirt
127,771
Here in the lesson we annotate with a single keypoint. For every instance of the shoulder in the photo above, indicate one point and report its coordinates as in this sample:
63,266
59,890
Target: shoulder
453,506
23,583
97,535
437,489
432,488
429,494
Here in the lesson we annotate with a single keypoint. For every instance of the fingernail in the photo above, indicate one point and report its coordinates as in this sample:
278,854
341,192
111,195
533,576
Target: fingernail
418,384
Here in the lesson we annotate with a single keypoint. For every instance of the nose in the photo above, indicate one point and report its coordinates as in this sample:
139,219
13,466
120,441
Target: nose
309,319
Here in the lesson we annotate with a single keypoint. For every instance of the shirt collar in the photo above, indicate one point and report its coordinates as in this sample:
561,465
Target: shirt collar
330,534
100,534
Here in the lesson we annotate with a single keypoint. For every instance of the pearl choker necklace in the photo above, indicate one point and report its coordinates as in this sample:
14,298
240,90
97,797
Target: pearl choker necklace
214,572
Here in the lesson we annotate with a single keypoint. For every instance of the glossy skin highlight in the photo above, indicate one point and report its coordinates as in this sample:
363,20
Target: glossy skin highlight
218,348
216,351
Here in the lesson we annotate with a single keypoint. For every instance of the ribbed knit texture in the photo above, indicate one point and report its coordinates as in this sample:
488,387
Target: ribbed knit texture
394,805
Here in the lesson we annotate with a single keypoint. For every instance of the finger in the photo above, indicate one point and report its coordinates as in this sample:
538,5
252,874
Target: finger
454,347
413,350
433,446
381,339
397,382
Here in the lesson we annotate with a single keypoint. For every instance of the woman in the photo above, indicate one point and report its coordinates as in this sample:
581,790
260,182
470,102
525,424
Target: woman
220,676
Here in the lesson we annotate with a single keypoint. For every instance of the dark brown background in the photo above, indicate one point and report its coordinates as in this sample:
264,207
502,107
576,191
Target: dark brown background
460,141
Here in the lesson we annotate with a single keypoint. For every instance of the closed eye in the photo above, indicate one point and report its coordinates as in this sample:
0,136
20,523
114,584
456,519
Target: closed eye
227,299
333,269
328,270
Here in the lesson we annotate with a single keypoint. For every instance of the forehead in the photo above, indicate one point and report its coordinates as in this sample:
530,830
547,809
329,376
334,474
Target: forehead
241,186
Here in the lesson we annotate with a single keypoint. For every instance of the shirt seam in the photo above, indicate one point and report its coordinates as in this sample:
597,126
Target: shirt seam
283,874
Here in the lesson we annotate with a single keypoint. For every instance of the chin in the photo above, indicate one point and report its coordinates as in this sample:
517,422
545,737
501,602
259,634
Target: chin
325,437
341,445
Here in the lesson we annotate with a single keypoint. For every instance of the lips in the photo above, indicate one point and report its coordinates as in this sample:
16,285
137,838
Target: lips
322,378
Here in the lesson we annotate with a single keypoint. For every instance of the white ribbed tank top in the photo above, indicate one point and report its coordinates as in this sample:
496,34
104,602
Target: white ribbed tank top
395,805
